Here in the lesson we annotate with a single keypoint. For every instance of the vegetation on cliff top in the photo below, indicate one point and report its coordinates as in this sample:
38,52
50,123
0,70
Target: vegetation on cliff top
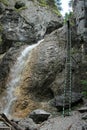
50,4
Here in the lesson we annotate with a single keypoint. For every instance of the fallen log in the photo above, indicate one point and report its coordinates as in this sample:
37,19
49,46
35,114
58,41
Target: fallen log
9,123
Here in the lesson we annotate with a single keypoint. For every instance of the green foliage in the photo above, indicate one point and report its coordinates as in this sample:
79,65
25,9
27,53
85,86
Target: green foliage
84,84
42,3
69,16
74,50
49,4
5,2
56,12
20,9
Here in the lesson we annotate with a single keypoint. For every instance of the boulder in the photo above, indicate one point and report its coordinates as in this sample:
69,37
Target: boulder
27,124
58,100
82,109
39,115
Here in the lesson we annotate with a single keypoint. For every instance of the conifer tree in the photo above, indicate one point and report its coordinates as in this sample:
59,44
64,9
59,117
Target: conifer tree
58,2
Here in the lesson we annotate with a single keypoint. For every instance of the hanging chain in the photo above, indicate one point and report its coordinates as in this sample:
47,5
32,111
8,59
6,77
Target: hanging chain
68,73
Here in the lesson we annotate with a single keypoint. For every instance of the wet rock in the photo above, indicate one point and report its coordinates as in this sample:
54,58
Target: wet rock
82,109
27,124
2,8
6,63
19,4
39,115
58,100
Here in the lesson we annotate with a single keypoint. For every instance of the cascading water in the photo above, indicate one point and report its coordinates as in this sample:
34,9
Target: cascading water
15,75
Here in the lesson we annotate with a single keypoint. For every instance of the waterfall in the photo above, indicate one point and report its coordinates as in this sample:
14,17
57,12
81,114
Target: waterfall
15,75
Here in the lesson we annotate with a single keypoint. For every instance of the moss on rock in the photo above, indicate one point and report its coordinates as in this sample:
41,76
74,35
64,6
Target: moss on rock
50,4
5,2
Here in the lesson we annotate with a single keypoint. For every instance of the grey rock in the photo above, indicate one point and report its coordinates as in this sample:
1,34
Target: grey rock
2,8
44,24
27,124
16,29
82,109
58,100
39,115
29,25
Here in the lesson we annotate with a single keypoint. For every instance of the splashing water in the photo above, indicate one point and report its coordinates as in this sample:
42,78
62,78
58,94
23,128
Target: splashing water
15,74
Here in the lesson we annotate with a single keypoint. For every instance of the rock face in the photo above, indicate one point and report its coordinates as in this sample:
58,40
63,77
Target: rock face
22,26
43,24
16,29
45,61
58,101
39,116
27,24
39,81
80,10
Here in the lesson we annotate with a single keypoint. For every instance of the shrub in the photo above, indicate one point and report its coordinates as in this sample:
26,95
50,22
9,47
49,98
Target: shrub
50,4
84,91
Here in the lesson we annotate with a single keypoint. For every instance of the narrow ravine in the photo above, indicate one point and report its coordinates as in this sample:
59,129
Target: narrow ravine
9,97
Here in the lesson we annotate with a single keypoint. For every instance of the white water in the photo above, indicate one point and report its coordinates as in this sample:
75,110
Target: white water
15,75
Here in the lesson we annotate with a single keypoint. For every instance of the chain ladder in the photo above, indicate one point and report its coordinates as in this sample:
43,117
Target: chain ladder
68,74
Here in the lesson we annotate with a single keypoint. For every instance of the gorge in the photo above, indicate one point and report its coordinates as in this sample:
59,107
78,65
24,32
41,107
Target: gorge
32,65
